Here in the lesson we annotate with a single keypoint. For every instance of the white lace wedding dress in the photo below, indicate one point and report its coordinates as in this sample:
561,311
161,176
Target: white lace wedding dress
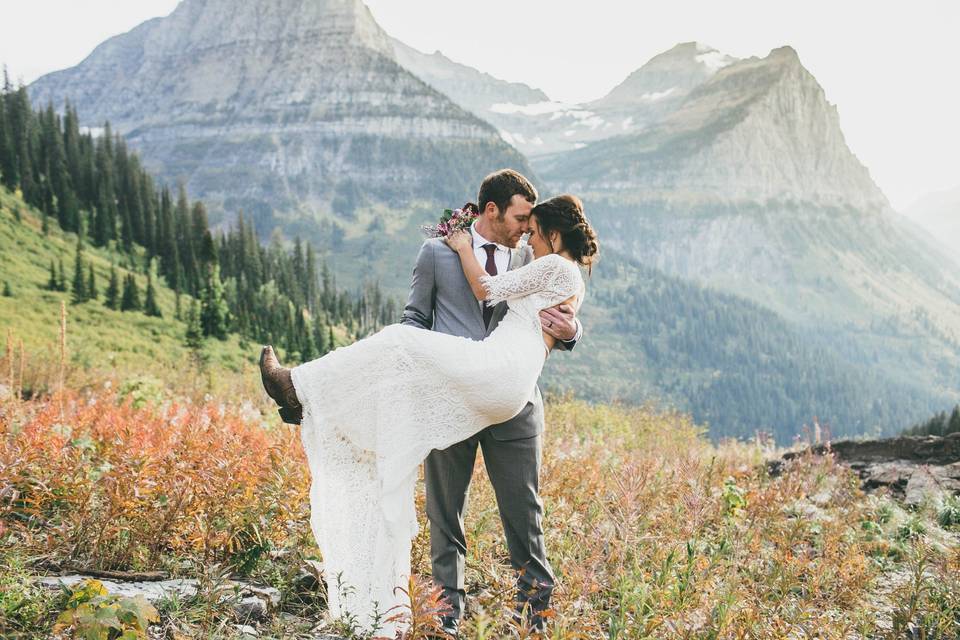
372,411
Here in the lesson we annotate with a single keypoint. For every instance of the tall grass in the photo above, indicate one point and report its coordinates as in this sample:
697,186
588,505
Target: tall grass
105,485
653,532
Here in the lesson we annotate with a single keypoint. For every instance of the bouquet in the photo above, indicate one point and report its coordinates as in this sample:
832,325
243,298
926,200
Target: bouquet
453,220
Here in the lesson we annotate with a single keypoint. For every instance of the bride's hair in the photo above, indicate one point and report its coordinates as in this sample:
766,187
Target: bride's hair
564,213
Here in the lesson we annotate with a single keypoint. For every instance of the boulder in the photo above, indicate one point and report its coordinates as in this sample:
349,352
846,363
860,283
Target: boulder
912,468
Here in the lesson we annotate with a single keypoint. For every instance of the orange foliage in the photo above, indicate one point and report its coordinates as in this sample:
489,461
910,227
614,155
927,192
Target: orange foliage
117,487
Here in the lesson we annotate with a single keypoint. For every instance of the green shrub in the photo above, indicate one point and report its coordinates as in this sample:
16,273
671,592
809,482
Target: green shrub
912,529
92,613
949,514
24,605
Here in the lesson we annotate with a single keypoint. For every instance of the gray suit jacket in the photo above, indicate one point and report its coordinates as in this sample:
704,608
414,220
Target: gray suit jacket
441,299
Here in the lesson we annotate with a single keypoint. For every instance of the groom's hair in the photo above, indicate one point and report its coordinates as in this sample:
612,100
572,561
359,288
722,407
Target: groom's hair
500,187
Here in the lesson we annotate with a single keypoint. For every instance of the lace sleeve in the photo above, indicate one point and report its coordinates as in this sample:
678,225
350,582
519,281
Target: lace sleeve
548,274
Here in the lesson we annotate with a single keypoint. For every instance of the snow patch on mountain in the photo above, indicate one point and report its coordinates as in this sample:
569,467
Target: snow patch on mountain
714,60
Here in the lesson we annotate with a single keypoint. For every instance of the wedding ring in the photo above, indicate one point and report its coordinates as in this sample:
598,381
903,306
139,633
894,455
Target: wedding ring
549,323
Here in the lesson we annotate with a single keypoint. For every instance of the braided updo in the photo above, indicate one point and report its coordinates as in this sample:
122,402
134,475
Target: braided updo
564,214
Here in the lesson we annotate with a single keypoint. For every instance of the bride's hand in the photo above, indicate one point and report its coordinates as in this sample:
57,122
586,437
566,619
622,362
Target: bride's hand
459,240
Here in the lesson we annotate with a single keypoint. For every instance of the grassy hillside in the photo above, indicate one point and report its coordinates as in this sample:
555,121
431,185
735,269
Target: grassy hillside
649,337
99,340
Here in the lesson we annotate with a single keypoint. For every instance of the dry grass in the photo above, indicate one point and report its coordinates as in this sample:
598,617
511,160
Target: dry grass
653,532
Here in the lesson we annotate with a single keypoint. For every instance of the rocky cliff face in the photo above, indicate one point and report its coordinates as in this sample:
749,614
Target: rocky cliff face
281,105
748,185
758,130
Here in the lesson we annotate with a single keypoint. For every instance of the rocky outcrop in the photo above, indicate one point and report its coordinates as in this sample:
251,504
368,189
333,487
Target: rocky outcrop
912,468
289,105
249,602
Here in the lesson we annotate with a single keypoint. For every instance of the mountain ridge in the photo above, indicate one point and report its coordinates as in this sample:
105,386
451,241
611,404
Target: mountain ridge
310,115
759,95
749,187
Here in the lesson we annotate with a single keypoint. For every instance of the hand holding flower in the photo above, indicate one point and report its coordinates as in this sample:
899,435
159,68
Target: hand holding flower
459,240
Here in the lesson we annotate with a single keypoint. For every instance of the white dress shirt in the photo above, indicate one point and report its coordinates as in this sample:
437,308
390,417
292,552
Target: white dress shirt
501,256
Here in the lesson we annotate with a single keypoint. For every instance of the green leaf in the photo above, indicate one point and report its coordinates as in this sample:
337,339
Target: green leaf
139,612
107,616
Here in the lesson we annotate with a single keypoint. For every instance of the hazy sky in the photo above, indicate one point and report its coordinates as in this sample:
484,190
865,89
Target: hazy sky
891,67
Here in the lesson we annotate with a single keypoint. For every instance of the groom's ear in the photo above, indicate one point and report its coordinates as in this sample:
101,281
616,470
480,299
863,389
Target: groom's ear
491,207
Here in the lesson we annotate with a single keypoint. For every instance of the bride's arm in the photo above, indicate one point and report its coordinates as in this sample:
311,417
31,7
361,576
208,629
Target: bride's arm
550,275
462,243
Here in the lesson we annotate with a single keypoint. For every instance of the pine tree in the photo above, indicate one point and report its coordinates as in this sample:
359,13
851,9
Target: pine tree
176,302
102,223
112,298
311,279
62,278
7,292
954,425
92,293
150,306
148,204
8,160
194,334
107,215
320,336
308,349
199,229
131,294
53,284
25,168
185,243
80,294
208,250
214,312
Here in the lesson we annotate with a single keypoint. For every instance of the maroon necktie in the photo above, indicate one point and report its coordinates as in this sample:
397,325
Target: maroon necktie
491,268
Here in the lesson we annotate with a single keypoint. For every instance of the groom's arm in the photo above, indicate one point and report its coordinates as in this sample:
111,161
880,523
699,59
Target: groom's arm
561,323
419,309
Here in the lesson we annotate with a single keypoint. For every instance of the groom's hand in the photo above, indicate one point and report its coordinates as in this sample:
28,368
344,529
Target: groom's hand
560,322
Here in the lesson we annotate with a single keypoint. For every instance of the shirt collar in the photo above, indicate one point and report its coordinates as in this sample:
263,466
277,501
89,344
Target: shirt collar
479,240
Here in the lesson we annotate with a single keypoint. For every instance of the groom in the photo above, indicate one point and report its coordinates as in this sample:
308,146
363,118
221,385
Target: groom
441,299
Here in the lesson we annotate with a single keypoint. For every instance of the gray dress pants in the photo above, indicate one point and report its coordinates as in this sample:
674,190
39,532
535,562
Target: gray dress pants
513,466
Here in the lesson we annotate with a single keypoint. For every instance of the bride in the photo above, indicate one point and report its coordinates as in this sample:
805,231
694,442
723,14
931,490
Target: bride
372,411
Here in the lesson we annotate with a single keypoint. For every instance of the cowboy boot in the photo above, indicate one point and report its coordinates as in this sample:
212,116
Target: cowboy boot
278,383
291,416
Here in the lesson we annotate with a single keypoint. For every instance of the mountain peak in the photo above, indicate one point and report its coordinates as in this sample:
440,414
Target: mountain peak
200,24
736,127
474,90
785,53
672,73
279,105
